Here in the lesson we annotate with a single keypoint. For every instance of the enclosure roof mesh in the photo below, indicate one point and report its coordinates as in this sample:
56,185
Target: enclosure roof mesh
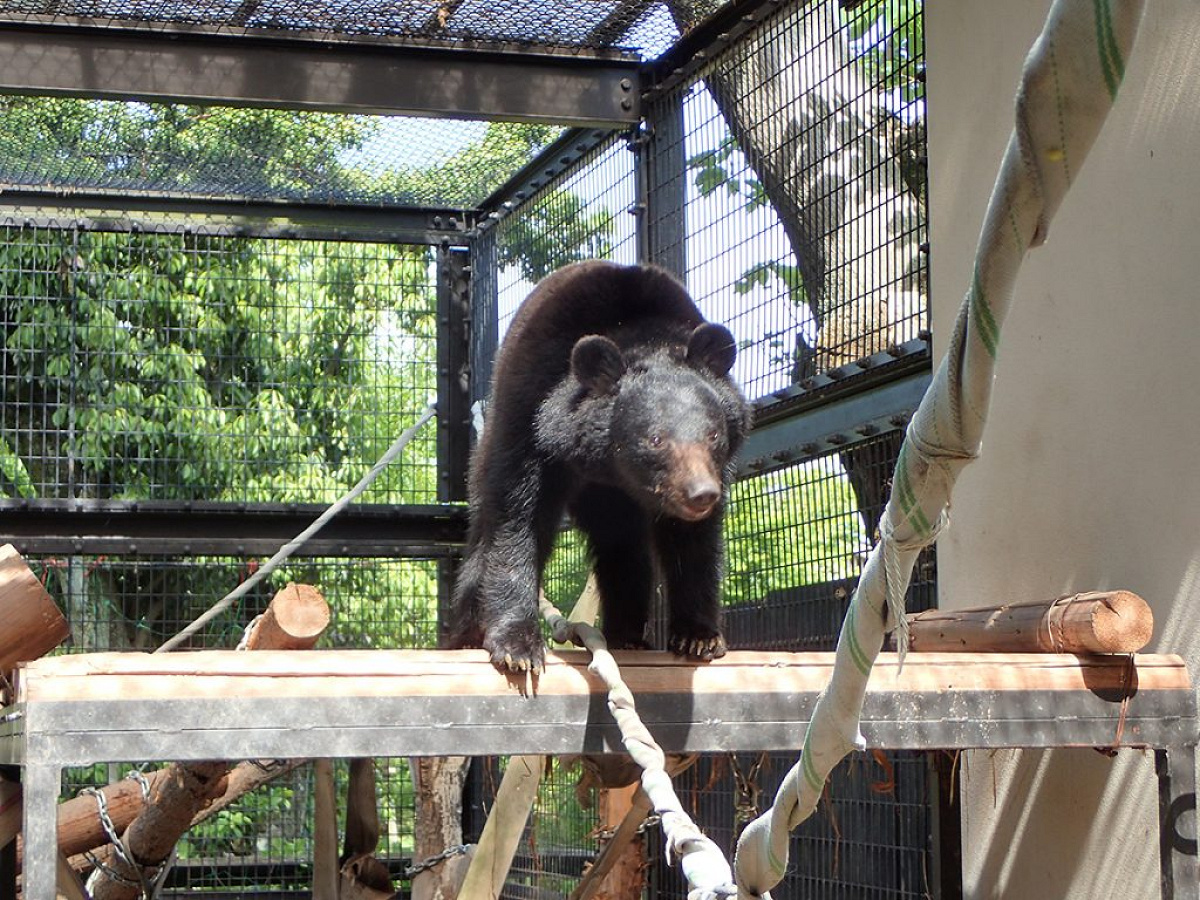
643,26
120,149
130,148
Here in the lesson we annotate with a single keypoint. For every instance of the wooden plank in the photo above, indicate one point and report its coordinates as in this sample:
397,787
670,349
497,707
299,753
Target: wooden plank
1093,622
288,674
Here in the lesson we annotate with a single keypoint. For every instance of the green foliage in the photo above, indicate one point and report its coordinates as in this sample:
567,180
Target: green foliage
554,230
890,37
766,553
166,380
480,168
178,147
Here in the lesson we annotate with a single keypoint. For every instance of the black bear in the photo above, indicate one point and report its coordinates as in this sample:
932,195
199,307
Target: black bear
611,399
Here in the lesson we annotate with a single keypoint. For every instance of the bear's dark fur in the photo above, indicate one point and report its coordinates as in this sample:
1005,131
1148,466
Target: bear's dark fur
611,399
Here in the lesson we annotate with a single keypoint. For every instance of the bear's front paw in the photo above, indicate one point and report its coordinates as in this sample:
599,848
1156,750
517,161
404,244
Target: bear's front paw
517,651
704,647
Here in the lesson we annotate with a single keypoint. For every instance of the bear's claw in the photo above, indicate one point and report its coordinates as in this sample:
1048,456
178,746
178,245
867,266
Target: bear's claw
703,648
518,660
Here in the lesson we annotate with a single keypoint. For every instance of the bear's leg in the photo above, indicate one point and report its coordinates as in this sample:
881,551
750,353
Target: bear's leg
691,555
619,539
498,593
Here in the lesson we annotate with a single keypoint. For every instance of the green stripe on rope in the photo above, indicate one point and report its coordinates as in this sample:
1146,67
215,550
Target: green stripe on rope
815,781
985,322
1110,54
860,659
903,490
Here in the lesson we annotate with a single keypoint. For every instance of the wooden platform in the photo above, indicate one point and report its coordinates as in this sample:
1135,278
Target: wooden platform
220,704
78,710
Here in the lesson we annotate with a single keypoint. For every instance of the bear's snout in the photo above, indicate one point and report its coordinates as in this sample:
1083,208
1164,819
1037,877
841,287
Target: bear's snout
694,490
700,495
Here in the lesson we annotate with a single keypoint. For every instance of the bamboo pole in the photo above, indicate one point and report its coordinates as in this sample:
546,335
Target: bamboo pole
33,623
183,790
1094,622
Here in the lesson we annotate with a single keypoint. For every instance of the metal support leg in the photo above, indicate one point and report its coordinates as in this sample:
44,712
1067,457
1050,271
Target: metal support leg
40,785
1176,770
8,871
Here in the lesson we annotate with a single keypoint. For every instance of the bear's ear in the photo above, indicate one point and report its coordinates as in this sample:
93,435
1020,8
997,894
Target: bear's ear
597,363
713,347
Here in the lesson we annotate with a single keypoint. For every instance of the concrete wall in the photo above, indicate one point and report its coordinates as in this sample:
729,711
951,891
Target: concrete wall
1090,475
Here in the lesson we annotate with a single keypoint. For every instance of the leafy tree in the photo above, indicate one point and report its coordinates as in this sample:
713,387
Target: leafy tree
182,366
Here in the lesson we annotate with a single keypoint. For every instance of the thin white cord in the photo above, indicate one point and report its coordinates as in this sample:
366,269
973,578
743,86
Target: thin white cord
302,538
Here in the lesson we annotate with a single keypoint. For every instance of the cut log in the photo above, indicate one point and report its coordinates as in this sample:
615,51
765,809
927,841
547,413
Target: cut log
619,869
1095,622
33,623
79,826
438,788
293,621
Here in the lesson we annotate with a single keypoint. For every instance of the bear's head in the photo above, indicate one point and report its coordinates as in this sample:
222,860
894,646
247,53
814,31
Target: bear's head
676,417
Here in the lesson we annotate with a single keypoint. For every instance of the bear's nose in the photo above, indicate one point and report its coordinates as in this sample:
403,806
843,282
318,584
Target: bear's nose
702,495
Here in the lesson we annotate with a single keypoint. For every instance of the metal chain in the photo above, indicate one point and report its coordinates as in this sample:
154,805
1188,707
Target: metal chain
430,862
749,791
136,775
147,886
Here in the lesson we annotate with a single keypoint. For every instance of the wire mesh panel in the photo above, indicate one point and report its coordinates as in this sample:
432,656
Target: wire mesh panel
635,24
805,196
180,366
586,213
219,152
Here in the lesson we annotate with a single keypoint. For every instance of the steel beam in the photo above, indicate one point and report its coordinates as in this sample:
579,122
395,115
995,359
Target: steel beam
372,78
539,172
95,527
105,211
866,399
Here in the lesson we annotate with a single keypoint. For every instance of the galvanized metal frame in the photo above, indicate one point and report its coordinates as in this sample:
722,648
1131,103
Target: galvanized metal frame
454,292
114,211
663,186
45,737
553,161
61,527
190,66
835,415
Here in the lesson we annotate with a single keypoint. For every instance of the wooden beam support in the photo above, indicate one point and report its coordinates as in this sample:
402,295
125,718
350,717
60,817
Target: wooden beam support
348,703
294,620
1094,622
33,623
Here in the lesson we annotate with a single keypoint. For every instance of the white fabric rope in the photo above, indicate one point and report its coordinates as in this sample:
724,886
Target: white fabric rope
1069,83
702,862
302,538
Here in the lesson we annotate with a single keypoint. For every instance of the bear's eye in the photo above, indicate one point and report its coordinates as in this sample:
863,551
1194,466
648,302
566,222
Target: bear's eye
714,436
655,439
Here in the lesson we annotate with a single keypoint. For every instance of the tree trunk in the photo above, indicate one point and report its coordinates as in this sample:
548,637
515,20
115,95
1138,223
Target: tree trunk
438,783
827,155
